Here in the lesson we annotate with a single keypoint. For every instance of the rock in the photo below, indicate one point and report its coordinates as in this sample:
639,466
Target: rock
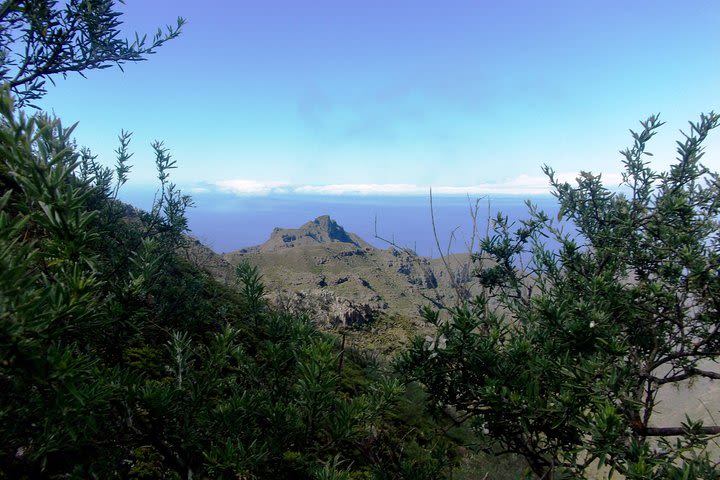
326,308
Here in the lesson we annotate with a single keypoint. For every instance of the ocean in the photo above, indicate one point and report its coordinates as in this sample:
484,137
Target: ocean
226,222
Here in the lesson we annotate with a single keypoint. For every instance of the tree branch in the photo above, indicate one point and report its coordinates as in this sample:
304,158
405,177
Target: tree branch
675,431
689,373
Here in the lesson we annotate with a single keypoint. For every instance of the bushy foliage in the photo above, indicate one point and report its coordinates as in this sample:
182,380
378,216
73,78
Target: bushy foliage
562,357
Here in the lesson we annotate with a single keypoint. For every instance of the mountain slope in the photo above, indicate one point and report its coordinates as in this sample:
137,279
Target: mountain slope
344,281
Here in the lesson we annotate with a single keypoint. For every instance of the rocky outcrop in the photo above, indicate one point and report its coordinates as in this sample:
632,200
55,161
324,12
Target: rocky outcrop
327,309
417,269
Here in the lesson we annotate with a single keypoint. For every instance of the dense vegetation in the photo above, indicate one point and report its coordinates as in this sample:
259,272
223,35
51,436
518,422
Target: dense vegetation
120,359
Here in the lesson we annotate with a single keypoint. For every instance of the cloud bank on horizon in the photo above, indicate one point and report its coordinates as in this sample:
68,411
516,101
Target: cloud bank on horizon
521,185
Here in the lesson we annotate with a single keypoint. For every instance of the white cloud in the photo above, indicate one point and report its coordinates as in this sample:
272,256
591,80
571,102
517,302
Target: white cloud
524,185
520,185
363,189
251,187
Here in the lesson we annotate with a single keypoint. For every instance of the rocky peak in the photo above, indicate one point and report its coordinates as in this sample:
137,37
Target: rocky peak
319,231
325,230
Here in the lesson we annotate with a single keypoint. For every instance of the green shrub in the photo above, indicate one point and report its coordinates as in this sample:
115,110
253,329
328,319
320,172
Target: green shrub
561,362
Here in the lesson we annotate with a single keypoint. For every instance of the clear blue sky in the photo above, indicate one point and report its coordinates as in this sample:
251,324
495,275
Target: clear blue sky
396,96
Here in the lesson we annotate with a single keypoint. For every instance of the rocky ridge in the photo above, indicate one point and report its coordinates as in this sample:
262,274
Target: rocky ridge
322,230
343,281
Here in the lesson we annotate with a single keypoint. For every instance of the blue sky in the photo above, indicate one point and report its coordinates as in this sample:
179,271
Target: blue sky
333,97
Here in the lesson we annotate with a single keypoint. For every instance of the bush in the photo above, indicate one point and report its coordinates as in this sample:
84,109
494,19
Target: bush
562,361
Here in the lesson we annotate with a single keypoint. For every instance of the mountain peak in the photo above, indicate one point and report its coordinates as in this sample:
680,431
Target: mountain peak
322,230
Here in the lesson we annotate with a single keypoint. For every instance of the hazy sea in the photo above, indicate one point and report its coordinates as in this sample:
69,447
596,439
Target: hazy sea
227,222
